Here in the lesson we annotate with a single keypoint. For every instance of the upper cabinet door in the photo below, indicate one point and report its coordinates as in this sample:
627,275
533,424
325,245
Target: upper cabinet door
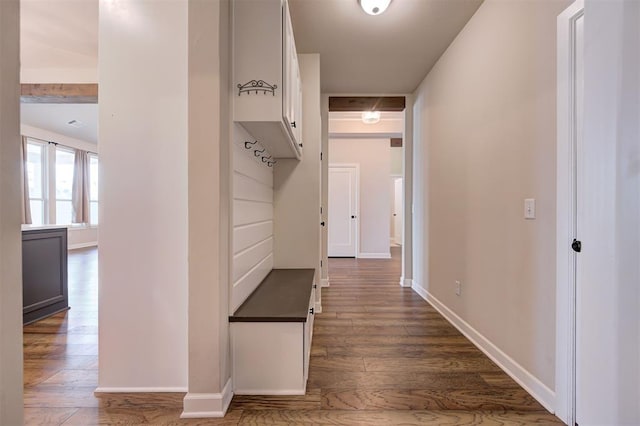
291,110
266,77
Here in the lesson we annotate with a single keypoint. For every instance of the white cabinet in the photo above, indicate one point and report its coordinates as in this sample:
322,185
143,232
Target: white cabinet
272,358
266,76
271,335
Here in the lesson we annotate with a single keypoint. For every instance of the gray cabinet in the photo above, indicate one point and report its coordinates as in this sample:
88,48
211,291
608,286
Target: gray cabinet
44,273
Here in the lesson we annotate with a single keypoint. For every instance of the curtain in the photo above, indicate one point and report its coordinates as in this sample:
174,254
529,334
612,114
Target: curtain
24,182
80,190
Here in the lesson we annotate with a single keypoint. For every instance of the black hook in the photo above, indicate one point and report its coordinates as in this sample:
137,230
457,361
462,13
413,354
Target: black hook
248,144
266,159
271,163
257,152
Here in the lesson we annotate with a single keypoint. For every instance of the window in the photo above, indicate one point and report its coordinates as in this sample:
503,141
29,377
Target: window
50,172
93,188
36,160
64,185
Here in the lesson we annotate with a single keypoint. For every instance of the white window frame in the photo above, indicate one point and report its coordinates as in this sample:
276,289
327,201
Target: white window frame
45,178
54,193
93,155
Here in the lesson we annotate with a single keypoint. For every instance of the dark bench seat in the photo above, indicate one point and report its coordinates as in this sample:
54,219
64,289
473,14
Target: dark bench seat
283,296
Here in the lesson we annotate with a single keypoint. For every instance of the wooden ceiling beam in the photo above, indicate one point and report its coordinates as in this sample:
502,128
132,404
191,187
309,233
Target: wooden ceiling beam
366,103
59,93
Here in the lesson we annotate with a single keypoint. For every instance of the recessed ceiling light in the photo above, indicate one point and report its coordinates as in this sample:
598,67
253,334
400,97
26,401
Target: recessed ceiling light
374,7
75,123
370,117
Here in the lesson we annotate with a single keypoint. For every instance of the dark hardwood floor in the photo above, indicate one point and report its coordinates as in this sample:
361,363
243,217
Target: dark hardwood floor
380,356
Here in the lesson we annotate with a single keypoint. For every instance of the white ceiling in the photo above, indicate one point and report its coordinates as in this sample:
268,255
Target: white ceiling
54,117
384,54
59,34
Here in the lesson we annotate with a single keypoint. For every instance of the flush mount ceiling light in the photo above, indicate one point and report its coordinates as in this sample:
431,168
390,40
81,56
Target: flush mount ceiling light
370,117
374,7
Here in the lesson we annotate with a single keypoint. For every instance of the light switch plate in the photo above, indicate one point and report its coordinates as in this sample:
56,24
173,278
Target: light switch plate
530,208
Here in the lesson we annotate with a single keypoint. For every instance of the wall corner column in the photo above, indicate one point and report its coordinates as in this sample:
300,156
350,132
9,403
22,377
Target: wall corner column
406,279
11,404
209,378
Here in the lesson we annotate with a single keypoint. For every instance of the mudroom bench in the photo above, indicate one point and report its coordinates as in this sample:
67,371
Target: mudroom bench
271,335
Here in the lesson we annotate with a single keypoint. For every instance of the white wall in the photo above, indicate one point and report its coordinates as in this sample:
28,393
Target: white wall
49,136
78,236
373,156
608,333
11,405
210,192
342,124
395,155
143,137
252,219
297,183
484,141
59,75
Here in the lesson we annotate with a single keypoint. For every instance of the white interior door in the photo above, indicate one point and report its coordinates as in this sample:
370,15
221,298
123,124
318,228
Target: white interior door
397,211
608,212
579,206
343,211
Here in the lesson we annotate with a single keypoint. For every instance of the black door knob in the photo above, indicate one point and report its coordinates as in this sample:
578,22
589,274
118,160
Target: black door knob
322,223
353,217
576,245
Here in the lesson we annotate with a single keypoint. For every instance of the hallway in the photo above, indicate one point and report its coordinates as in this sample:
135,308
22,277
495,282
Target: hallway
380,356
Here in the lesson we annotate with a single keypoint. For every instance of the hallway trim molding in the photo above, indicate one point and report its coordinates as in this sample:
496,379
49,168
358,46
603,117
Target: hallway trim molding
159,389
374,255
207,405
517,372
407,282
324,282
82,245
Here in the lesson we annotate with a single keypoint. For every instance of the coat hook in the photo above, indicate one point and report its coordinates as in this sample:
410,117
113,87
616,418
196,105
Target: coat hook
266,159
257,152
248,144
271,163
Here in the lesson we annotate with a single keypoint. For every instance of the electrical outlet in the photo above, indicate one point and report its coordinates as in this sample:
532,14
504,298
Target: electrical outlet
458,288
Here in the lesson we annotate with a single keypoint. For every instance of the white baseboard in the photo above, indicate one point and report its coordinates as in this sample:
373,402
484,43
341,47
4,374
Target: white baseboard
82,245
203,405
108,389
324,282
276,392
420,290
406,282
374,255
517,372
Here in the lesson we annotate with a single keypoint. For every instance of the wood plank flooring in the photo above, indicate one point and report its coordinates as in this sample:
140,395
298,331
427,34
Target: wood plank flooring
380,356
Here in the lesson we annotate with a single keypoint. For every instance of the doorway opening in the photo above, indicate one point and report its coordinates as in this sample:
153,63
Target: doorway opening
60,182
366,195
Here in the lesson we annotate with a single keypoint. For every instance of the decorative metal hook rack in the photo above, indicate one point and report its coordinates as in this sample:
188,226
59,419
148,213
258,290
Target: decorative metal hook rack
265,157
257,86
248,144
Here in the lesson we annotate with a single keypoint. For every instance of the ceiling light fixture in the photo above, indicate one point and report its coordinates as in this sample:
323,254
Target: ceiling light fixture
374,7
370,117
